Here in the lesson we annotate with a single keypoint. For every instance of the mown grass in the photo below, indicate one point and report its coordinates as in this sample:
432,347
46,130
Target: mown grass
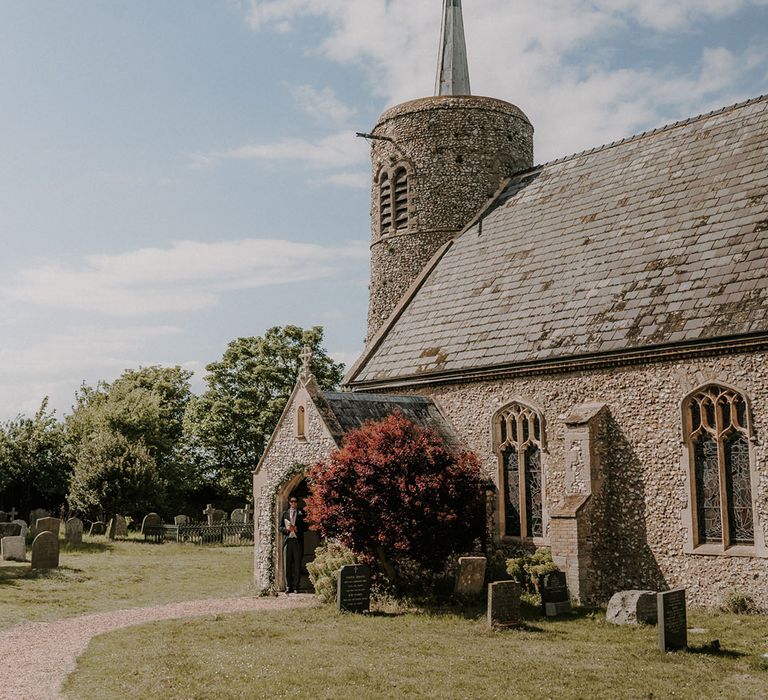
317,653
100,575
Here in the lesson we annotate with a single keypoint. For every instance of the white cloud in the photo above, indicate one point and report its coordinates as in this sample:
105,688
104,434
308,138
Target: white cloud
186,277
357,180
322,105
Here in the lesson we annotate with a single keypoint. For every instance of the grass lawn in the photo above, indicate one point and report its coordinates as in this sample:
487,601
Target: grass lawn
317,653
100,575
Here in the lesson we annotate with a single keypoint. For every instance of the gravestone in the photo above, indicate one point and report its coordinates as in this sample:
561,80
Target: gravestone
553,589
48,525
10,529
503,603
73,529
471,576
237,516
121,526
5,517
248,514
353,591
23,525
45,551
13,549
632,608
181,520
97,528
219,516
36,514
673,622
208,513
150,520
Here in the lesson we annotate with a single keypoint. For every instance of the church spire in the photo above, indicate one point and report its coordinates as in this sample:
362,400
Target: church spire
452,68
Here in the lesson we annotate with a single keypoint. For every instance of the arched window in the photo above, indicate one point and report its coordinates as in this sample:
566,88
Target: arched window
300,423
717,433
518,437
401,199
385,204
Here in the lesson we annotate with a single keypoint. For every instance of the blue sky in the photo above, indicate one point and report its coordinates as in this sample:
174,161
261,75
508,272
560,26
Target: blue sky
176,174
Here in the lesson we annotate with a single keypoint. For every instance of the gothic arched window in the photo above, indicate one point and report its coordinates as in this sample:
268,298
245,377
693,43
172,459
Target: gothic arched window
401,199
385,204
717,433
518,431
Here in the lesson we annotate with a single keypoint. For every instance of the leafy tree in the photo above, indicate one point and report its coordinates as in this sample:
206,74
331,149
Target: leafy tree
35,462
395,490
229,425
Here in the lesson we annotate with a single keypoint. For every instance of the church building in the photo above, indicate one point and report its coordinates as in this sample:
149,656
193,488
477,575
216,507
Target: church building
594,328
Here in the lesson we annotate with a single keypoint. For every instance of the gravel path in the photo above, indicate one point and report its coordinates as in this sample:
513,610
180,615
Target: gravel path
36,657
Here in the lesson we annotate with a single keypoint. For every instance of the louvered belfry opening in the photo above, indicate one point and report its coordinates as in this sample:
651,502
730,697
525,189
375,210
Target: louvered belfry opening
385,203
401,199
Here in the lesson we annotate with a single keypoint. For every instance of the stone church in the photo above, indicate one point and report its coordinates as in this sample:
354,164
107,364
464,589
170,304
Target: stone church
595,329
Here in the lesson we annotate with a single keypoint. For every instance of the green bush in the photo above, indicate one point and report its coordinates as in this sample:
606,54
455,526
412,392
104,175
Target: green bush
740,604
527,568
324,570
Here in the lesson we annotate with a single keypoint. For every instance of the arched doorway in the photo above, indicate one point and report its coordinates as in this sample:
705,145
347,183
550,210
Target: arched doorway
299,488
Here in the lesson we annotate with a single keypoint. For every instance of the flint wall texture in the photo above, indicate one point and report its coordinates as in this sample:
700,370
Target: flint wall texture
457,151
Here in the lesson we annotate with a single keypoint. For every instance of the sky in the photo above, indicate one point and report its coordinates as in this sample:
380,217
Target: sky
177,174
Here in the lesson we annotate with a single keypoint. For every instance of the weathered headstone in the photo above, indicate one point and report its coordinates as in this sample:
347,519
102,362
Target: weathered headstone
553,589
208,513
10,529
353,592
181,520
237,516
471,576
117,527
248,514
150,520
36,514
219,516
13,549
23,525
48,525
73,530
503,603
673,621
632,608
97,528
45,551
5,517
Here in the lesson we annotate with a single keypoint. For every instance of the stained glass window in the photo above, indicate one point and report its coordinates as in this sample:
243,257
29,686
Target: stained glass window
518,438
719,443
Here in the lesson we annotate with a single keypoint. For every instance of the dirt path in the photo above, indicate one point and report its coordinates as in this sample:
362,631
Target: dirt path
36,657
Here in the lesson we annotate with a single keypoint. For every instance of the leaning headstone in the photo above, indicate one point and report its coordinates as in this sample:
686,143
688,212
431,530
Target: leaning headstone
353,591
673,622
23,525
237,516
5,517
181,520
503,603
632,608
45,551
554,594
150,520
471,576
48,525
13,549
10,529
73,529
97,528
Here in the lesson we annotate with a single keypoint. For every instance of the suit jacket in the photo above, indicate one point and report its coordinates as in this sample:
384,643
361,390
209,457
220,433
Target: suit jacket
301,527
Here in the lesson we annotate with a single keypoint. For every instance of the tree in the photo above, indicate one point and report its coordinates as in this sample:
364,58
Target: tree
35,462
229,425
394,489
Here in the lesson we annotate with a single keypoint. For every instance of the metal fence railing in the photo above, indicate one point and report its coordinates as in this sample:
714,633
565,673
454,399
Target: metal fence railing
201,533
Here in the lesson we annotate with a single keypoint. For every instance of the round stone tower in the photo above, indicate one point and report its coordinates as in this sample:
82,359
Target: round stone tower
435,162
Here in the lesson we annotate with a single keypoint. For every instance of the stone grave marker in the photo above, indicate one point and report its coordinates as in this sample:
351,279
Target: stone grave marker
219,516
471,577
353,591
503,603
36,514
45,551
121,526
554,594
13,549
248,514
5,517
208,513
632,608
237,516
23,525
673,622
48,525
10,529
150,520
97,528
73,529
181,520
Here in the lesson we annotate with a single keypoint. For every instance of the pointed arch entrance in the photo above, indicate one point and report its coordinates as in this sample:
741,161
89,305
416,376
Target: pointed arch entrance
298,487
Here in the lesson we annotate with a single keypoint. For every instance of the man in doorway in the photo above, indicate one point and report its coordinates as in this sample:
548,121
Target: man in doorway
293,527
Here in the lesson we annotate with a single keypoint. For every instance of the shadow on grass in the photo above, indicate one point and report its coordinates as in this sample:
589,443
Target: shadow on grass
86,547
714,649
14,575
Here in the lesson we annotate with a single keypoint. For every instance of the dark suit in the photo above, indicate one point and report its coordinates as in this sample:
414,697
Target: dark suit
293,549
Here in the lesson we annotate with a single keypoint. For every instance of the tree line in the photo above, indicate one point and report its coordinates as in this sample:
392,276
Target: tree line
145,442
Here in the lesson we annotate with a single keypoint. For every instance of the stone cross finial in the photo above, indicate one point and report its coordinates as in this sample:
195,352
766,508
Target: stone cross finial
247,513
306,358
14,513
209,511
452,67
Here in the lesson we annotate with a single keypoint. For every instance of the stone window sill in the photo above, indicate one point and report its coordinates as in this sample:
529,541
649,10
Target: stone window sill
535,541
717,550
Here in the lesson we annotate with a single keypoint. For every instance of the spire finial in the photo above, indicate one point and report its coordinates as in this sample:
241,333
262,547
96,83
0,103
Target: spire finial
452,67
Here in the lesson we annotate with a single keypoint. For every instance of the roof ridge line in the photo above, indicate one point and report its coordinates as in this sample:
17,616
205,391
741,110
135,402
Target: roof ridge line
650,132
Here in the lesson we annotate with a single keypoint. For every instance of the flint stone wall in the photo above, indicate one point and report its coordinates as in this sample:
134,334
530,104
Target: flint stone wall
647,531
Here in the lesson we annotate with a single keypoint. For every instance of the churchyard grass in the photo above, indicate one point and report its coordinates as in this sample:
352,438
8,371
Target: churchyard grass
99,575
319,653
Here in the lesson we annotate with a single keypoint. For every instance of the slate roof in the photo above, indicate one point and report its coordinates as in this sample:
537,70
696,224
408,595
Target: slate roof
659,239
350,411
